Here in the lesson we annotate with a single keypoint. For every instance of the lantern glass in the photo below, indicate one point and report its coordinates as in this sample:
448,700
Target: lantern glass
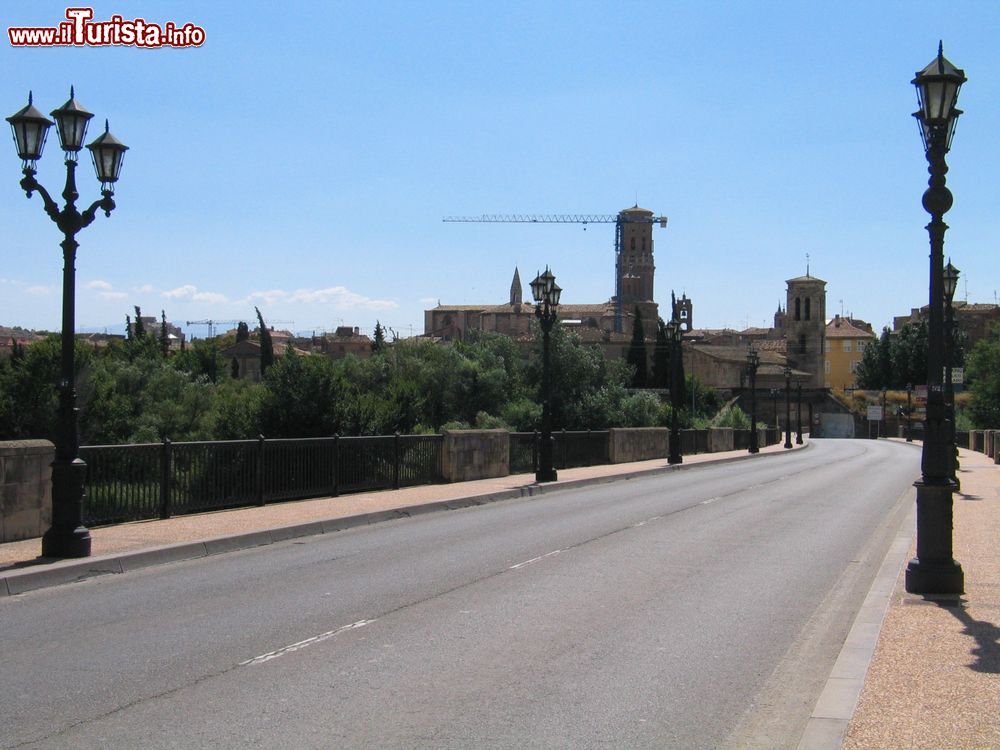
950,277
938,85
538,288
671,330
554,293
71,121
108,153
549,279
29,127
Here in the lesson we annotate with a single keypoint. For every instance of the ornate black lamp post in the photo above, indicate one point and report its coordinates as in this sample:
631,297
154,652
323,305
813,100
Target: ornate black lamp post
753,362
909,412
934,570
546,294
788,406
67,537
884,424
950,283
798,415
673,332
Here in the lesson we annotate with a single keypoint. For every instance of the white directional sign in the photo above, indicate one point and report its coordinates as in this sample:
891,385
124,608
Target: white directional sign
874,413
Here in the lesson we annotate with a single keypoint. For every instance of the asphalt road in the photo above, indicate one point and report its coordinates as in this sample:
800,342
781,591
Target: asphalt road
698,609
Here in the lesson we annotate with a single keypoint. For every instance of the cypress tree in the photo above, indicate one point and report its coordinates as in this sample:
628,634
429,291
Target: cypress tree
164,337
637,352
378,344
266,346
139,331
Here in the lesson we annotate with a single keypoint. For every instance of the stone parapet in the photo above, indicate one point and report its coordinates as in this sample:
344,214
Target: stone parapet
627,444
720,439
475,454
25,488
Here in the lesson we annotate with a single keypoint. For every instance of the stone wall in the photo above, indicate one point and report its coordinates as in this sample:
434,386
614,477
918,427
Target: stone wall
626,444
835,426
475,454
720,439
25,488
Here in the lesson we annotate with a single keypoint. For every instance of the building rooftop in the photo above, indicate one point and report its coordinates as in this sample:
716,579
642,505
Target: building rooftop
842,328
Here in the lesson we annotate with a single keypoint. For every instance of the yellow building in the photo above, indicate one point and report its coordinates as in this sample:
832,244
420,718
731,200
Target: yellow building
845,345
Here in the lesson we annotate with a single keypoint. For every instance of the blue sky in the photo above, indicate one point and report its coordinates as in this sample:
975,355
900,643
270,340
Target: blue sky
303,157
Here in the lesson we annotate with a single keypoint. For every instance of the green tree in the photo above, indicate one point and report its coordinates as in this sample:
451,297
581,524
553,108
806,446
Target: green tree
266,345
28,395
661,357
636,356
304,397
139,330
874,371
242,332
908,356
201,359
983,378
378,340
164,336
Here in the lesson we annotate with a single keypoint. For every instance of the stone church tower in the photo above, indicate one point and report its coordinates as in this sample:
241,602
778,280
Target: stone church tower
805,327
635,267
516,295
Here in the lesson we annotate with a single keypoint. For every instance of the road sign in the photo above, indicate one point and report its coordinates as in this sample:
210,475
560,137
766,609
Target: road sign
874,413
957,375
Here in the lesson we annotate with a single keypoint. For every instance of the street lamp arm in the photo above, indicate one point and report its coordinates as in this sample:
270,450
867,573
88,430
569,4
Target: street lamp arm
106,204
29,184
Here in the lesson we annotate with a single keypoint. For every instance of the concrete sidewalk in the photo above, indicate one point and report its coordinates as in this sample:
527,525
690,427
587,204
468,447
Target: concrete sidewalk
934,681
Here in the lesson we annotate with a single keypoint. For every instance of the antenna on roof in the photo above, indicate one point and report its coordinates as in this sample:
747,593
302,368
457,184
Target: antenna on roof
807,264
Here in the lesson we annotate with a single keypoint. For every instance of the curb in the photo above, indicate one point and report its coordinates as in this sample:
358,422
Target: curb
835,707
14,582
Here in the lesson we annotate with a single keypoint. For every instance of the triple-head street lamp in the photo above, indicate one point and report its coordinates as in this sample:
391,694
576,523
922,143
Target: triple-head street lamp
67,537
934,569
674,335
546,294
753,362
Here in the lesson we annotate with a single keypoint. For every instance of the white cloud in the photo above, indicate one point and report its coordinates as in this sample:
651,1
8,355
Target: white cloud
341,298
180,292
112,295
190,291
209,297
144,289
268,297
428,300
39,290
98,284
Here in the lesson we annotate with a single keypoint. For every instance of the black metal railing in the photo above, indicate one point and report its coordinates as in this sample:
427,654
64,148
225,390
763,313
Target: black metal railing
570,449
137,482
159,480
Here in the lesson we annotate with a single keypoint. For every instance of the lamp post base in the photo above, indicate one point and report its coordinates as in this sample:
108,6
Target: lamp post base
67,537
934,570
66,541
546,475
935,577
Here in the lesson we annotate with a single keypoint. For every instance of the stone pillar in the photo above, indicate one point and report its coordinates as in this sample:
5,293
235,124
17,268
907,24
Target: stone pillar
25,488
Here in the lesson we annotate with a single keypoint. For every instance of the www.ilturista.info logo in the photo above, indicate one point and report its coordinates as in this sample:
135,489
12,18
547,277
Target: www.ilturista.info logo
79,30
